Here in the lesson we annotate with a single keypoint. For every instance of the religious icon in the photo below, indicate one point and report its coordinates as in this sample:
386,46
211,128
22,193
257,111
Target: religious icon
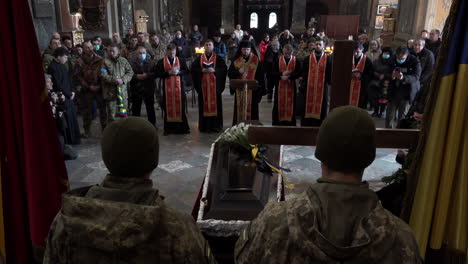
381,9
379,22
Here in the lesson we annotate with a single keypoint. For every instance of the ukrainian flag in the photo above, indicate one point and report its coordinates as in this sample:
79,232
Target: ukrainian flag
439,216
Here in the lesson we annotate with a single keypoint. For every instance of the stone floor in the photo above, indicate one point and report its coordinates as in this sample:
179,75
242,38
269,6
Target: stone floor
183,159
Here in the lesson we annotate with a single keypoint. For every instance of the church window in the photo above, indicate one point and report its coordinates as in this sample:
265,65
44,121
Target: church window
272,20
254,20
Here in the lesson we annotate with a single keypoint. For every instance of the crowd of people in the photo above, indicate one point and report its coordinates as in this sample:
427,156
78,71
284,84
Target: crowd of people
293,72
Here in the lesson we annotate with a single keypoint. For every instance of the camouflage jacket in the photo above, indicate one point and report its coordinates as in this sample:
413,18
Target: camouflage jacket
88,71
158,52
112,69
302,54
330,222
48,57
123,220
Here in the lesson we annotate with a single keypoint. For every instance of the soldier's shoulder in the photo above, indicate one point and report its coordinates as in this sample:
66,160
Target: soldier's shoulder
277,212
405,242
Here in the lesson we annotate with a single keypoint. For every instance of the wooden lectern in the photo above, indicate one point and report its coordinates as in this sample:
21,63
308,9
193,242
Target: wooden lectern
243,90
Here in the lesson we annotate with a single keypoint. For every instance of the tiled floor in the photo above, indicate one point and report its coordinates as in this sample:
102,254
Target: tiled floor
183,160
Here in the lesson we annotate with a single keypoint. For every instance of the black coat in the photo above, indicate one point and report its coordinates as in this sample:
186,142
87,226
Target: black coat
426,57
427,60
434,47
366,76
180,42
407,87
210,124
62,83
270,59
144,87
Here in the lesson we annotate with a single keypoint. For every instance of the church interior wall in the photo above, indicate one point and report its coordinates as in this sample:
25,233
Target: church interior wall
44,24
418,15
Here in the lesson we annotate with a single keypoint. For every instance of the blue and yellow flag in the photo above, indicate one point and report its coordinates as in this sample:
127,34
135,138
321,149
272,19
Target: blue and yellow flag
440,210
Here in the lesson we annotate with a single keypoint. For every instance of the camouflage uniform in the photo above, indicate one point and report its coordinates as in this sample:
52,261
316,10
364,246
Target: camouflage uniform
123,220
303,54
330,222
112,69
47,58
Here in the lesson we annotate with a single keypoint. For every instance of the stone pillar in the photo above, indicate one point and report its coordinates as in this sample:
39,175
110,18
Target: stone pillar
125,18
150,9
227,16
298,16
45,21
175,15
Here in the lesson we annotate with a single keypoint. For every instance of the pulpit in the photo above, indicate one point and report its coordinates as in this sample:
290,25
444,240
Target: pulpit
243,90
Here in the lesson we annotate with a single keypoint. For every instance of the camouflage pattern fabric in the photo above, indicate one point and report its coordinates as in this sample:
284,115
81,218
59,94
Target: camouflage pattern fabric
112,69
331,222
123,221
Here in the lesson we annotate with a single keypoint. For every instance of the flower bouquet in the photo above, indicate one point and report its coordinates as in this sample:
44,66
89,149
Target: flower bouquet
236,138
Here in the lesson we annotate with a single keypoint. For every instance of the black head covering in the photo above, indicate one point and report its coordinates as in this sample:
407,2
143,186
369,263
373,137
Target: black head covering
245,44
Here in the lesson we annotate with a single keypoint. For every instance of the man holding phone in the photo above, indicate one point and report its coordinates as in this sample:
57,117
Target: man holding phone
404,85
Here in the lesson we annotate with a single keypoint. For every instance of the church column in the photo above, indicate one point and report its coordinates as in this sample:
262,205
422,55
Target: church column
227,15
44,19
126,19
298,16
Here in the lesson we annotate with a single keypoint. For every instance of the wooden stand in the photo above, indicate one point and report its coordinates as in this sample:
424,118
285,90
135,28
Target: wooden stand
243,86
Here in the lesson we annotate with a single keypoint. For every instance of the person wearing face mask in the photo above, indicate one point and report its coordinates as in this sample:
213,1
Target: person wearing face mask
286,70
181,44
116,74
171,69
247,66
98,48
404,85
62,84
209,72
142,85
316,76
383,68
271,56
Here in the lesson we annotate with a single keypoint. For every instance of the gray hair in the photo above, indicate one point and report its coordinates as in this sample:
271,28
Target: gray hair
47,76
423,41
276,42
